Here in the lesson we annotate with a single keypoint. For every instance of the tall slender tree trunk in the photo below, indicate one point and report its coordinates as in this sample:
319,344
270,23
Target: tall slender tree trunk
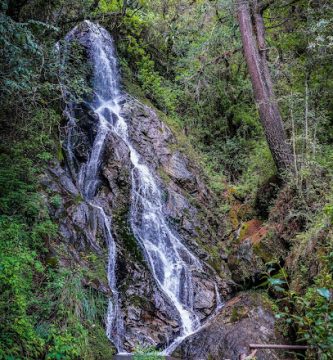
253,38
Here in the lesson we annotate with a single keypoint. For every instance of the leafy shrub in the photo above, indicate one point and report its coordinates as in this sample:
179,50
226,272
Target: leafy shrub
310,314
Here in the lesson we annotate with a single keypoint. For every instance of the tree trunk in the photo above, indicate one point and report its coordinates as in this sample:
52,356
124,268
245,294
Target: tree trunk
253,38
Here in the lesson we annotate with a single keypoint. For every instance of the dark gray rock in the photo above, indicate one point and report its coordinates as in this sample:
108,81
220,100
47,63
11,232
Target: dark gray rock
176,167
64,181
190,205
148,133
149,317
204,295
244,319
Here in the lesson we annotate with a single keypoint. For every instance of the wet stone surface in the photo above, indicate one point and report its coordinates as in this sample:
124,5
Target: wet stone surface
125,184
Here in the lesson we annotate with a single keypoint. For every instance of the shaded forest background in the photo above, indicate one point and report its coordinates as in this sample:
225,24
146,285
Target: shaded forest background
184,58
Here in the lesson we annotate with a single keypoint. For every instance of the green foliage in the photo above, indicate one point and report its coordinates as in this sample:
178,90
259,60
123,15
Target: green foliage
328,209
189,65
309,313
274,280
56,319
304,296
17,269
259,167
20,236
45,312
191,50
56,201
146,353
74,71
313,316
78,313
19,52
28,66
186,57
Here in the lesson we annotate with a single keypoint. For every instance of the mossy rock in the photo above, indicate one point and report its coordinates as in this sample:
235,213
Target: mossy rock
125,234
238,313
249,228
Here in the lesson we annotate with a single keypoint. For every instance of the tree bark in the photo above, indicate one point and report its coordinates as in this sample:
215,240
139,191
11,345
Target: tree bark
254,47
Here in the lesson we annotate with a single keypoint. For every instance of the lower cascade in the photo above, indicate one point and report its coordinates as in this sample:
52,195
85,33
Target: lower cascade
171,263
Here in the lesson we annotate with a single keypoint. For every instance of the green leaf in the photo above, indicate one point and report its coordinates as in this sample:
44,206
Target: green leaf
279,315
278,288
276,281
324,293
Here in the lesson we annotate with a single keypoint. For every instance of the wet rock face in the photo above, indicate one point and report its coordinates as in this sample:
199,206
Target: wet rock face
189,204
176,168
148,316
245,319
204,296
150,136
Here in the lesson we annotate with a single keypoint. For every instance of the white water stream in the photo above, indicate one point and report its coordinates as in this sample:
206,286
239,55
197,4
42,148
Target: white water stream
170,261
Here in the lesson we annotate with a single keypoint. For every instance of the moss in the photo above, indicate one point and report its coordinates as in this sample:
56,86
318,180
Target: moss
121,225
138,301
215,259
97,265
163,175
78,199
56,201
238,313
243,231
99,345
233,261
269,247
233,218
213,251
234,315
263,252
136,91
216,265
268,303
52,261
60,153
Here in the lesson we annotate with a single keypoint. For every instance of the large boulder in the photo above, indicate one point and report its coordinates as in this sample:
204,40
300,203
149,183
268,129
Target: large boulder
245,319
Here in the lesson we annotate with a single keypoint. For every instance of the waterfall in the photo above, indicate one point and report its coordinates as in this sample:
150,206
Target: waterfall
171,263
87,180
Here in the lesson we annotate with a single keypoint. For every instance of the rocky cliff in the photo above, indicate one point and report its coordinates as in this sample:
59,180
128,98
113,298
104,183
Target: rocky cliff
189,207
149,318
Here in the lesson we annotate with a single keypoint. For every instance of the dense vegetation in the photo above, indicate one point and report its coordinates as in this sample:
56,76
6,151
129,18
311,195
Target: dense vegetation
185,57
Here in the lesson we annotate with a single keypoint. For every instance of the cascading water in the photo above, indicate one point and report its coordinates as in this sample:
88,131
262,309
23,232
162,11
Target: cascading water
87,179
170,261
